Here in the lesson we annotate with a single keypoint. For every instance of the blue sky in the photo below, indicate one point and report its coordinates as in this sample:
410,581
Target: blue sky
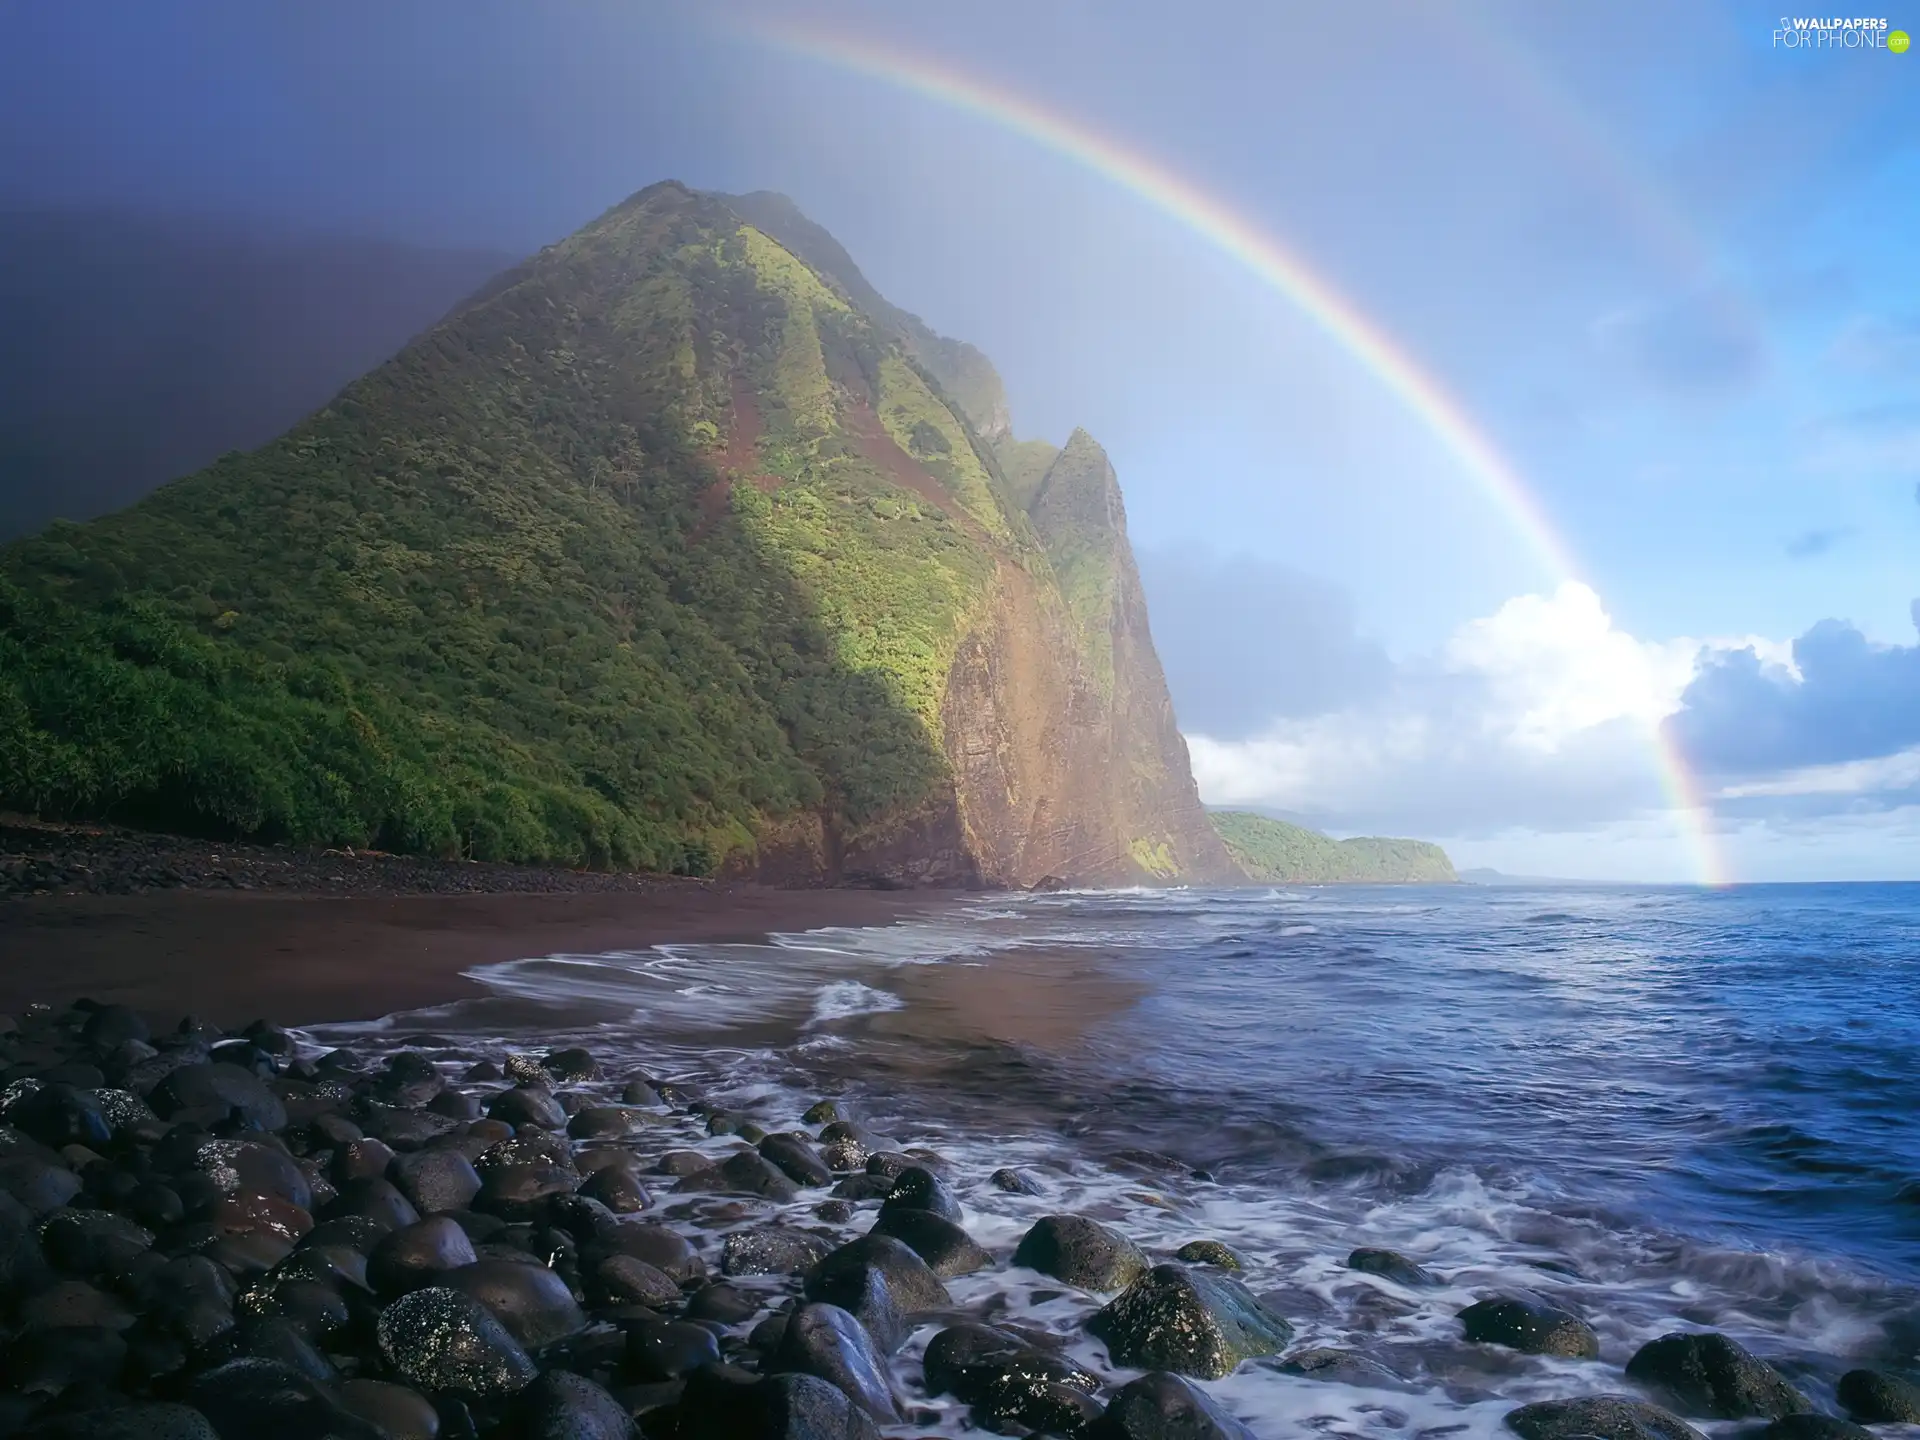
1665,264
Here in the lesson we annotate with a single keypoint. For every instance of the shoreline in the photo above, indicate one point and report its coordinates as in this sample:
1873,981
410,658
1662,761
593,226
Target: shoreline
308,959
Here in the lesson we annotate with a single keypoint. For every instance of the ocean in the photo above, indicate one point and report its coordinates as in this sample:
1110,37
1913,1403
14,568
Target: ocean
1659,1108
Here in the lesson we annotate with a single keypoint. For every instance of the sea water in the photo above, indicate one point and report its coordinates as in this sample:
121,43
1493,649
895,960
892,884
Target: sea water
1660,1108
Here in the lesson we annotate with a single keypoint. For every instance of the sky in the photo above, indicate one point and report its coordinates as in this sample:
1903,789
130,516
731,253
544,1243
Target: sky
1656,262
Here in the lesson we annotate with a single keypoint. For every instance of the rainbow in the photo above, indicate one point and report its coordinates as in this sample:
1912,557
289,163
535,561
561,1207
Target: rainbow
1286,274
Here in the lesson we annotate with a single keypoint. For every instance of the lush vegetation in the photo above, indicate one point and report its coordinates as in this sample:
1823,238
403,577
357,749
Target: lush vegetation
493,601
1274,852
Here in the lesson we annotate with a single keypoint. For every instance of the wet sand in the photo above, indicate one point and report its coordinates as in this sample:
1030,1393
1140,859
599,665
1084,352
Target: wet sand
304,959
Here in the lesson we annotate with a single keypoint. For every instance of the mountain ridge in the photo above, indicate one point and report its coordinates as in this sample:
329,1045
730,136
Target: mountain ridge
659,551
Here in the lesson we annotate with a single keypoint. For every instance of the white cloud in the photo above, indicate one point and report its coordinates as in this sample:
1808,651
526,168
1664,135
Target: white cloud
1541,715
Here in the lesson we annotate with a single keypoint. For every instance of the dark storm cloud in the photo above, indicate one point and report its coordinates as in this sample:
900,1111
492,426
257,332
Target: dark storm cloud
1247,641
1854,700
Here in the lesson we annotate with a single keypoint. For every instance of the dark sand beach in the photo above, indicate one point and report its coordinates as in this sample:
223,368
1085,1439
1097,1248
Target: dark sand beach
230,957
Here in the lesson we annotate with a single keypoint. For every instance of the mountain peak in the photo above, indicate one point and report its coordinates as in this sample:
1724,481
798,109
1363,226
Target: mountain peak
678,548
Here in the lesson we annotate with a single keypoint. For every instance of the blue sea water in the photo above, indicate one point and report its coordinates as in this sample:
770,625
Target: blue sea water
1662,1108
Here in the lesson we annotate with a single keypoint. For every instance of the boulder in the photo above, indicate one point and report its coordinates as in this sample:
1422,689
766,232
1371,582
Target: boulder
1209,1252
1710,1375
256,1399
948,1250
666,1250
1189,1322
1874,1397
661,1350
910,1284
1082,1253
438,1339
1814,1427
418,1254
745,1173
918,1188
437,1181
400,1413
1529,1326
526,1105
209,1092
126,1422
794,1156
530,1300
1159,1406
564,1406
773,1250
1014,1182
780,1407
618,1188
1009,1381
1598,1417
826,1341
1391,1265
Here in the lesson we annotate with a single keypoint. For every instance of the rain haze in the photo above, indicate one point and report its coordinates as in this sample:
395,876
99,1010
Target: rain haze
1517,407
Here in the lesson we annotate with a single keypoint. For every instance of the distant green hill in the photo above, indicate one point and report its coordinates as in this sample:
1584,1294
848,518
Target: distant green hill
1274,852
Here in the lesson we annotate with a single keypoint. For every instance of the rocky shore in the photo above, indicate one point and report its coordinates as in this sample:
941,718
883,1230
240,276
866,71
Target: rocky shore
235,1235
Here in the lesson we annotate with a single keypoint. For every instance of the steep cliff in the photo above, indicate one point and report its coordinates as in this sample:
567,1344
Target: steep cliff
676,547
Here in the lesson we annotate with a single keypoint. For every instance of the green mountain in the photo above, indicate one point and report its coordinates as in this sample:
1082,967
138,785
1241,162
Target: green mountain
676,547
1274,852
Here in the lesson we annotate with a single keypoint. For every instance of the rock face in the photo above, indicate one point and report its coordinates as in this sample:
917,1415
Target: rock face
751,485
1189,1322
1711,1375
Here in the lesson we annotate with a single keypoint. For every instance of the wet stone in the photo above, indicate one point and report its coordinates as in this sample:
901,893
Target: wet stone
1081,1252
1342,1367
1014,1182
1008,1380
771,1251
1189,1322
1529,1326
527,1106
826,1341
437,1181
1209,1252
948,1250
259,1399
909,1281
1159,1406
1598,1417
627,1280
1711,1375
530,1300
919,1189
564,1406
1874,1397
618,1188
1391,1265
415,1255
724,1304
1814,1427
400,1413
659,1350
438,1339
794,1156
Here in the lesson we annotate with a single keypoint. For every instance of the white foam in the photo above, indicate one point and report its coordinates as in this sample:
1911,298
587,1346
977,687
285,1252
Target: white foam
844,999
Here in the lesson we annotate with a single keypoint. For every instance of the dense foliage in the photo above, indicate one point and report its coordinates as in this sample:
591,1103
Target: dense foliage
1274,852
607,569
